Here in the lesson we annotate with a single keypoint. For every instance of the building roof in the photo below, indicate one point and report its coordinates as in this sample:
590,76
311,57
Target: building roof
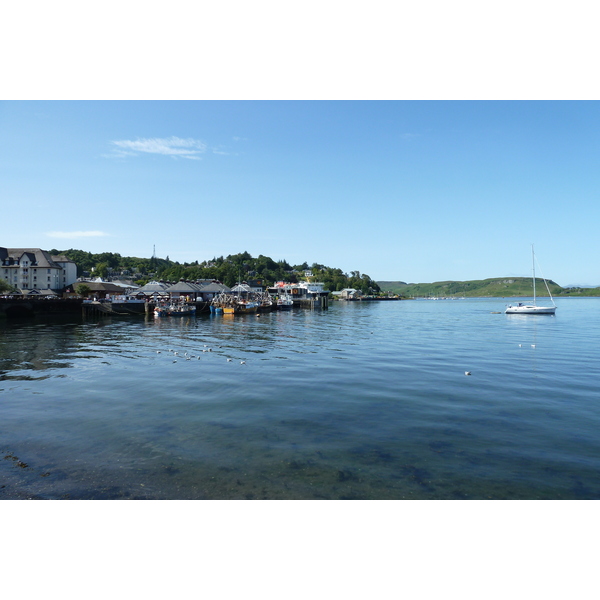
184,287
215,287
36,292
152,287
37,257
125,284
62,258
101,286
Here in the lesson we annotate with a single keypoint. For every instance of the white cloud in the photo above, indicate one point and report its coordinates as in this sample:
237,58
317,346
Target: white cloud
173,146
76,234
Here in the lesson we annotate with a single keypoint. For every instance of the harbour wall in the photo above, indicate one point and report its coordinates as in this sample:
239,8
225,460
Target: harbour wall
30,307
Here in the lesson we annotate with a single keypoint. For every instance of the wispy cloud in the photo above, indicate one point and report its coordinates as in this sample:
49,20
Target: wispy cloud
223,152
76,234
173,146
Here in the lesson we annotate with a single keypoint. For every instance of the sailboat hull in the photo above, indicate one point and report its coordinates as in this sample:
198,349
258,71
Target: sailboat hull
532,309
529,309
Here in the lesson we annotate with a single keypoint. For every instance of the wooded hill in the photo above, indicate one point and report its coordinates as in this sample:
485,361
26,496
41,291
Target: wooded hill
497,287
229,270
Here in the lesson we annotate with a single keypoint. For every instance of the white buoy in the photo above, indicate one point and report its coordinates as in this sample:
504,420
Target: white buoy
467,372
533,345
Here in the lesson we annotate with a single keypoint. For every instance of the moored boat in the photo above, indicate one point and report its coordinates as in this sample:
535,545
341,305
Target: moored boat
175,310
284,302
533,308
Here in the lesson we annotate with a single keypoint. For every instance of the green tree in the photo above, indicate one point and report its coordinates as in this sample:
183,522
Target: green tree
101,269
82,289
5,287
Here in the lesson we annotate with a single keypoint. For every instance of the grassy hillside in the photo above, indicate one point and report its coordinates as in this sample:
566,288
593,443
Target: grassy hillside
497,287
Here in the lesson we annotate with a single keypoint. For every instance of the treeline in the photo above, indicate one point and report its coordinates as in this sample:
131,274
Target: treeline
229,270
494,288
111,263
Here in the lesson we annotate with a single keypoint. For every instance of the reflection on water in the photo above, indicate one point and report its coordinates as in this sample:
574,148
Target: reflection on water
359,401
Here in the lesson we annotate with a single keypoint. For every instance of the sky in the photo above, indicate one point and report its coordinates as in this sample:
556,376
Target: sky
415,191
417,142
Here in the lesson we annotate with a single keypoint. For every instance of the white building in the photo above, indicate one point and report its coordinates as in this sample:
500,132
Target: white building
34,269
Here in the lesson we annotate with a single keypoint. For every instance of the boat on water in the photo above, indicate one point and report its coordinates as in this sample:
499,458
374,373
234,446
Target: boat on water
229,304
284,302
241,307
175,310
533,308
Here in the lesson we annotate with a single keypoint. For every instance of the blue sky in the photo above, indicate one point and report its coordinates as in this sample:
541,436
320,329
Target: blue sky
417,191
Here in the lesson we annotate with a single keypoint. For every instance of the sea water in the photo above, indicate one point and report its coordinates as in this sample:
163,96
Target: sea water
417,399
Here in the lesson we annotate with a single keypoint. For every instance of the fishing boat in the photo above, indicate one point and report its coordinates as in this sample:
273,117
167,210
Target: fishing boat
228,304
284,302
241,307
184,310
175,310
532,309
265,302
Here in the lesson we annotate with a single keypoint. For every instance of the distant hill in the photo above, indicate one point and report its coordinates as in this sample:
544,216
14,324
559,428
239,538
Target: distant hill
497,287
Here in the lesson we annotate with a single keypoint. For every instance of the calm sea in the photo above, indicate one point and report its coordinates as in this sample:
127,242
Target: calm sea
360,401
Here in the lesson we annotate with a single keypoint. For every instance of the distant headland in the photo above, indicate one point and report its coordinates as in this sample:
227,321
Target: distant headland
496,287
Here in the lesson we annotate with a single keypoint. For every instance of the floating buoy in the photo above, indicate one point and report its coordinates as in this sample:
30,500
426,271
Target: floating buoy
467,372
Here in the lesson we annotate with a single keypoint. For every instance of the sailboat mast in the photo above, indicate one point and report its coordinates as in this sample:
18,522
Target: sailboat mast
533,269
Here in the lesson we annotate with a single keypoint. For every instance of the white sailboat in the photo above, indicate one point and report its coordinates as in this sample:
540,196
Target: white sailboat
532,309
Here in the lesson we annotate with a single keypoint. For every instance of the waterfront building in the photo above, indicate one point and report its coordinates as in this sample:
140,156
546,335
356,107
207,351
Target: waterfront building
304,289
35,269
351,294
